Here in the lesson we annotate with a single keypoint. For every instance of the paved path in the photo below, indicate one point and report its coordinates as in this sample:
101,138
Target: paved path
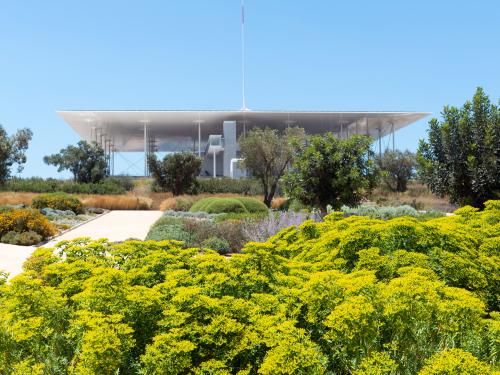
115,226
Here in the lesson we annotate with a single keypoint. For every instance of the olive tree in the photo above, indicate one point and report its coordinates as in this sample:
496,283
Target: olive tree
86,161
461,158
397,168
13,151
176,173
332,171
267,153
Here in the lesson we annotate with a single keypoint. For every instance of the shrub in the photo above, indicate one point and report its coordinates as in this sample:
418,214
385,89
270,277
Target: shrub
24,238
377,212
242,186
176,173
58,201
25,220
218,244
228,205
115,185
455,361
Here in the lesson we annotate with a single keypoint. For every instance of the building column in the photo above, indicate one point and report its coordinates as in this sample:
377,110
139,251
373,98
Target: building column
146,154
215,164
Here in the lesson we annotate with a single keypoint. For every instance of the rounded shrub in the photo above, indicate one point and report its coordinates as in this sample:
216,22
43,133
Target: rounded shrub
24,238
58,201
216,205
218,244
25,220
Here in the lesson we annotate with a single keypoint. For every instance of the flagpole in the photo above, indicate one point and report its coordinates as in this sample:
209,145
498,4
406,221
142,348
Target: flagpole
244,107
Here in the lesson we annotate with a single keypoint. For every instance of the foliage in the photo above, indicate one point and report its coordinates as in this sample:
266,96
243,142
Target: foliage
25,220
13,151
387,212
21,238
177,172
455,361
241,186
117,202
218,244
51,185
86,161
216,205
58,201
343,296
461,159
331,171
266,155
397,168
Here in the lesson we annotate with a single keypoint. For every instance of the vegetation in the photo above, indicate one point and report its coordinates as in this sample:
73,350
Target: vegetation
216,205
240,186
13,151
52,185
461,159
397,168
117,202
24,226
267,154
176,173
58,201
387,212
344,296
331,171
86,161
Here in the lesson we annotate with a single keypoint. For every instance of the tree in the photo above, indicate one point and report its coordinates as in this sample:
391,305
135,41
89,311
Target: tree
397,168
461,158
177,172
267,153
332,171
13,151
86,161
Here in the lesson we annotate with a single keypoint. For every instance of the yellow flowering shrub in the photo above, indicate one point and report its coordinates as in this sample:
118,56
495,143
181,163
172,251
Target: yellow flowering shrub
344,296
23,220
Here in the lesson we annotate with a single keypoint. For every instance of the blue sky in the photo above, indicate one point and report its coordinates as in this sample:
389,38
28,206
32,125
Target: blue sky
301,55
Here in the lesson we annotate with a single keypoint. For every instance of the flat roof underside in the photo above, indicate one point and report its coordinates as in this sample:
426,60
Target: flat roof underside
178,130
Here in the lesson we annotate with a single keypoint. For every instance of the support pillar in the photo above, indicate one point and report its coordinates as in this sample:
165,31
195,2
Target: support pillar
146,153
199,139
215,164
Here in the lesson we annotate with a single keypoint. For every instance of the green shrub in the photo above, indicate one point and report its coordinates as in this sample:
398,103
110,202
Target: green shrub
377,212
218,244
112,185
243,186
216,205
58,201
24,238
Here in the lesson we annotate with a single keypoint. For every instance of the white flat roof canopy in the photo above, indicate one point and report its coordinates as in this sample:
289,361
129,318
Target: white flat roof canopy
178,130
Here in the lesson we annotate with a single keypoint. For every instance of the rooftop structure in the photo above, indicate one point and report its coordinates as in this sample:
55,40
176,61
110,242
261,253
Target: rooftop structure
213,133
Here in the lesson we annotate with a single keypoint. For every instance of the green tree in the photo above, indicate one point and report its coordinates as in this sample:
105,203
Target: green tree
267,153
176,173
13,151
331,171
461,158
86,161
397,168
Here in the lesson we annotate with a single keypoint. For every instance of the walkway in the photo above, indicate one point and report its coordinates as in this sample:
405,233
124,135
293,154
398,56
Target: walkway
115,226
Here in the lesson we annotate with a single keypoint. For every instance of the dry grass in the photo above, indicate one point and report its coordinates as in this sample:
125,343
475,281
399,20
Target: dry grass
117,202
9,197
417,195
278,202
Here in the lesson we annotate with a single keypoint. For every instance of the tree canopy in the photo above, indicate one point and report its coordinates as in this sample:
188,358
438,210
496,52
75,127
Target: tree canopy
267,153
86,161
13,151
331,171
397,168
177,172
461,158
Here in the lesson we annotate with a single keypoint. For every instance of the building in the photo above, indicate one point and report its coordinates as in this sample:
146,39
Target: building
213,135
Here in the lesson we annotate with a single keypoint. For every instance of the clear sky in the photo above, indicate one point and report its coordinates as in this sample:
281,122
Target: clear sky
301,55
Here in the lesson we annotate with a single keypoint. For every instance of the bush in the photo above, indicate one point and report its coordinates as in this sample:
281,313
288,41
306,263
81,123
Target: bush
115,185
24,238
242,186
176,173
26,220
218,244
351,295
58,201
378,212
216,205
